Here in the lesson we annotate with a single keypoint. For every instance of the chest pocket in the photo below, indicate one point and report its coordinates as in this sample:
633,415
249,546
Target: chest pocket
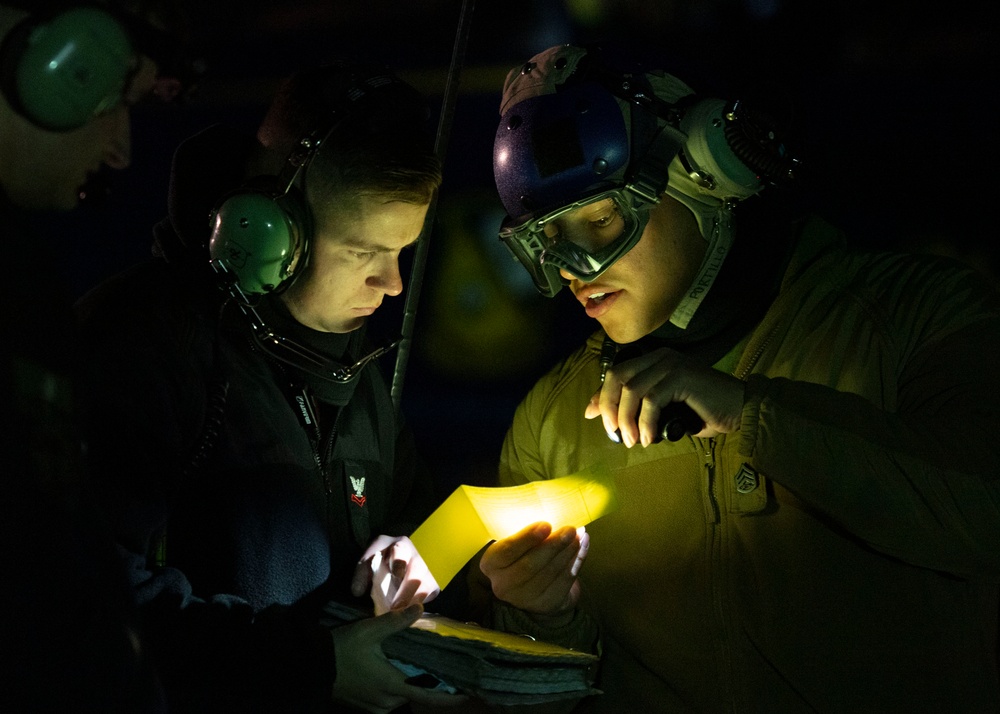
363,483
743,485
747,488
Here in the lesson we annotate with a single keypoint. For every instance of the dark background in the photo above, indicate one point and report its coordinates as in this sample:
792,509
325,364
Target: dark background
894,107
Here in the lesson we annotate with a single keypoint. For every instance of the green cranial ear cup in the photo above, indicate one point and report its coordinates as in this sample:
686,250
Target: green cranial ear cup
260,238
62,71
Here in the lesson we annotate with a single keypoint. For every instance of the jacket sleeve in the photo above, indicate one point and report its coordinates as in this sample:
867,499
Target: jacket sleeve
521,461
917,481
143,408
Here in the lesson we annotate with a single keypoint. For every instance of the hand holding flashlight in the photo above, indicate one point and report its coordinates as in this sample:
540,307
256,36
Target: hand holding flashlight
662,395
676,421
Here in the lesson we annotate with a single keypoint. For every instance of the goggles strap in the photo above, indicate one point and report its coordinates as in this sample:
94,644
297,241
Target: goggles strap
653,169
720,240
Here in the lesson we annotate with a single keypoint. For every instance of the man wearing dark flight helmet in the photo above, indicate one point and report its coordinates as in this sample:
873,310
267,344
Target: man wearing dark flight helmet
817,537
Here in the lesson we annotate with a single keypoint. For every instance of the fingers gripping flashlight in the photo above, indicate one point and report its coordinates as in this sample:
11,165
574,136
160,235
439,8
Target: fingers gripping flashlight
676,419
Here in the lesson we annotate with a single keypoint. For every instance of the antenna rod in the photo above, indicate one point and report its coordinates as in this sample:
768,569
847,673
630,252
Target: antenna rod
440,147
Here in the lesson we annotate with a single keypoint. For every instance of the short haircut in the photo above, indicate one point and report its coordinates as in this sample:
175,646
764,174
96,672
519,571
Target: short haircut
380,146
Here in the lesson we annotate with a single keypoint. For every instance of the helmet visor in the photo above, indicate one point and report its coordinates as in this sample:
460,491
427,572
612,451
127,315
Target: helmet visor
584,238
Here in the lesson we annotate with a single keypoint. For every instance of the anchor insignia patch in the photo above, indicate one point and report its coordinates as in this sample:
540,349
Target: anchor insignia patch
358,486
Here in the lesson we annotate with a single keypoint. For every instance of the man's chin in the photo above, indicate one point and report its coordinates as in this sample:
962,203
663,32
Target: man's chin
622,334
355,323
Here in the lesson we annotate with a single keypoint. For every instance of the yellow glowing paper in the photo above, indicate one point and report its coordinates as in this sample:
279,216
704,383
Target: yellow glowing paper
472,516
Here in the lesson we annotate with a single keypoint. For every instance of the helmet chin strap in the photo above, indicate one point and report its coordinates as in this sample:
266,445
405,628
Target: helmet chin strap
716,224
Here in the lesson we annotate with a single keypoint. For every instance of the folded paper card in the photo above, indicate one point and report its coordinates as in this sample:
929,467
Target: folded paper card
472,516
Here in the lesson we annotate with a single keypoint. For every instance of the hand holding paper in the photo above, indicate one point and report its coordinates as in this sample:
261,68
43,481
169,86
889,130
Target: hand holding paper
392,569
535,569
472,516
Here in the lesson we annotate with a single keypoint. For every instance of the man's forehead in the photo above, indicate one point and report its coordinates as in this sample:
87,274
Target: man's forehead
355,232
374,241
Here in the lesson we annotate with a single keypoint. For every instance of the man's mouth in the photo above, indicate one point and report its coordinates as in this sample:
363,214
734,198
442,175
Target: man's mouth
598,302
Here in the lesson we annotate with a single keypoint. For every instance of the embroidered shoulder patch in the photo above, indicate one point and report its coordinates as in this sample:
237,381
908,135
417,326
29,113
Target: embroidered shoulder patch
746,479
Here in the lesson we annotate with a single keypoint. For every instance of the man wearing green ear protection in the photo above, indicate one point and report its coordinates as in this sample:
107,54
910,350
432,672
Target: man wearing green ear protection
820,535
68,75
246,448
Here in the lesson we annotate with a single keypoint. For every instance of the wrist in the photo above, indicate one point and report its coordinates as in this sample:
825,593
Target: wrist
571,628
551,620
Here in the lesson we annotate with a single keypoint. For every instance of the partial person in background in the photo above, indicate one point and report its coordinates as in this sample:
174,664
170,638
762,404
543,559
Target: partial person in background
69,74
248,455
802,434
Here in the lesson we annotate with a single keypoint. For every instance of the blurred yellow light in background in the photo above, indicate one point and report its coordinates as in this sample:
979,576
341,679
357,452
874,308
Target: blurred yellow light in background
587,12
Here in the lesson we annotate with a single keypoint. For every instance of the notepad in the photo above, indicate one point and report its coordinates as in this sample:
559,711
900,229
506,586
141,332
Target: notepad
472,516
499,668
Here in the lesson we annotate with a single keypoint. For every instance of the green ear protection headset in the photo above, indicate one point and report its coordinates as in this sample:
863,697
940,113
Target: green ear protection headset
61,69
261,233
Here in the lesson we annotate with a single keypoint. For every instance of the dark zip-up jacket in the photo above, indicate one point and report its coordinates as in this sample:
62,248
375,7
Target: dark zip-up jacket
237,517
66,633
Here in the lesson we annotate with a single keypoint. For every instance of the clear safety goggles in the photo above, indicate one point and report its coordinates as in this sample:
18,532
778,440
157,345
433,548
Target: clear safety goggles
584,238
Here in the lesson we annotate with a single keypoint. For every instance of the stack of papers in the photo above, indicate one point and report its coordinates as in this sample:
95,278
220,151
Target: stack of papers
497,667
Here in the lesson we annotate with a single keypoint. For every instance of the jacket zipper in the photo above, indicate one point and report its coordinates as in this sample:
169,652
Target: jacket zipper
713,513
717,574
330,440
744,372
310,417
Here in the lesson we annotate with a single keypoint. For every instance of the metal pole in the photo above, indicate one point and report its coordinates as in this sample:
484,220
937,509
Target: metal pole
440,147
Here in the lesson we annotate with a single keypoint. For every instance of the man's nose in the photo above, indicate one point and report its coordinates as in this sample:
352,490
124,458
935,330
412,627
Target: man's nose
117,137
388,278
